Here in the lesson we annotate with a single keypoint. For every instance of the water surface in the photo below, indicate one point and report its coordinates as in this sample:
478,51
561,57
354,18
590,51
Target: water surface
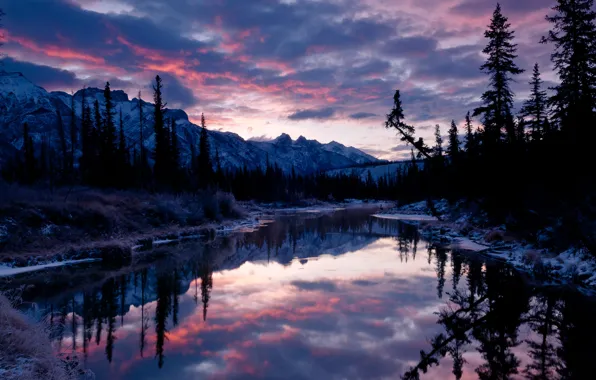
337,296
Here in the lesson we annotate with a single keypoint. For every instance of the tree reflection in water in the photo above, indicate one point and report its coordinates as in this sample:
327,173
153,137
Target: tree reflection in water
491,316
487,315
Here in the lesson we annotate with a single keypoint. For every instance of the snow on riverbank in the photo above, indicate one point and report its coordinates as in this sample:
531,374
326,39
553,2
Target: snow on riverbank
6,271
410,217
460,231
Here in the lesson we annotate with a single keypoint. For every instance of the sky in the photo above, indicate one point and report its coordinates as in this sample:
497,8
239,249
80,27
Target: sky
326,70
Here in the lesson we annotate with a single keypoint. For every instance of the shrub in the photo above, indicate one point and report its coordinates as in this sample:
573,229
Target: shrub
25,349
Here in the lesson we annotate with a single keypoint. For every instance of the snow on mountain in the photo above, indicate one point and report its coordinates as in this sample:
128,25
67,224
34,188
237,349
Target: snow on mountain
23,102
389,169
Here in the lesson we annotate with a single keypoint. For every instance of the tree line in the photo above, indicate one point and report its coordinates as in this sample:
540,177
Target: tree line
532,166
529,160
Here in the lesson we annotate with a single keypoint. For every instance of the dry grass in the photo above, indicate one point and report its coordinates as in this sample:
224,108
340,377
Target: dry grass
25,349
34,220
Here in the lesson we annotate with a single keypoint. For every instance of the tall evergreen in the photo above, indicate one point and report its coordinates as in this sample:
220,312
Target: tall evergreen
161,145
574,35
438,149
500,66
204,161
453,147
535,107
109,131
470,140
141,138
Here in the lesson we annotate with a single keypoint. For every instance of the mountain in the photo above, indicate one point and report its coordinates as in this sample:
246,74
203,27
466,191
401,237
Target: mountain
23,102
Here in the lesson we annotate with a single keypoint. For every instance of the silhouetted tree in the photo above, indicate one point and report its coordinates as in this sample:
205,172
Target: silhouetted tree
574,35
535,107
453,147
204,166
500,66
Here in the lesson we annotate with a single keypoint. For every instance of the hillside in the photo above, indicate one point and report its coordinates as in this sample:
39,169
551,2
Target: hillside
21,101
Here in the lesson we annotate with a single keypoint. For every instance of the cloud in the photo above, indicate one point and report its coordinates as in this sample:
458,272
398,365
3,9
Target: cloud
321,114
362,115
175,93
44,76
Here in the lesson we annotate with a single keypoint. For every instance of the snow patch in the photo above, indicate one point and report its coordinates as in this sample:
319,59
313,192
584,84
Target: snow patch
467,245
9,271
411,217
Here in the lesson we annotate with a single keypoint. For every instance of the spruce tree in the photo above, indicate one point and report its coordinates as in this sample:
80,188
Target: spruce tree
453,148
500,66
161,145
109,136
204,165
470,140
574,35
141,138
438,149
535,107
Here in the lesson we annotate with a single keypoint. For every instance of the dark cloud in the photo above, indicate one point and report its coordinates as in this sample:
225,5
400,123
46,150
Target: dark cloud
362,115
410,46
323,113
43,76
483,7
376,67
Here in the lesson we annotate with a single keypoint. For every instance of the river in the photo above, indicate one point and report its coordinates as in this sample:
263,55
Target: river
316,296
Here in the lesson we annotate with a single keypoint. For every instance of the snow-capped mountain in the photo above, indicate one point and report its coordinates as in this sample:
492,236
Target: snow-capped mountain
23,102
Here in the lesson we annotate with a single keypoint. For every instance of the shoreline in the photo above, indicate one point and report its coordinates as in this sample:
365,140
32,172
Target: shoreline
573,267
121,250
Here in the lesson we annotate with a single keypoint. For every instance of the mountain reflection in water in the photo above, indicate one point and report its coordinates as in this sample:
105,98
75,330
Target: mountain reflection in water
341,296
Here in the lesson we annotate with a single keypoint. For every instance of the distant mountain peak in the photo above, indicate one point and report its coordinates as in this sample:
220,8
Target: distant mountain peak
21,101
283,139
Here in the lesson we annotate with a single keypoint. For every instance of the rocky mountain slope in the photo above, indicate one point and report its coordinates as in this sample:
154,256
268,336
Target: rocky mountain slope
23,102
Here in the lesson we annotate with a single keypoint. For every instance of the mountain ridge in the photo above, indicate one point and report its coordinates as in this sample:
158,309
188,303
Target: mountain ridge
21,101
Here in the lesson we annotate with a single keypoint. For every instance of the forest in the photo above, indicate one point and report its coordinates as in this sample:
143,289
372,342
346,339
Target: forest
528,168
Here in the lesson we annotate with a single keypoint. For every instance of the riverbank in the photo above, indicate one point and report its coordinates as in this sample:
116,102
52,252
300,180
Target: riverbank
40,227
464,227
40,230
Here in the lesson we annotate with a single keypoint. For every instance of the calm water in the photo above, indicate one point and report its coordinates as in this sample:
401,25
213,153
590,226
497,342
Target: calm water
340,296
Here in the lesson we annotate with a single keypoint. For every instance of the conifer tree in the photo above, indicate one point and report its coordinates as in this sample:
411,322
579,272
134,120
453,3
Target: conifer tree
535,107
141,138
438,149
204,162
109,136
470,140
574,35
453,148
395,120
161,145
500,66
